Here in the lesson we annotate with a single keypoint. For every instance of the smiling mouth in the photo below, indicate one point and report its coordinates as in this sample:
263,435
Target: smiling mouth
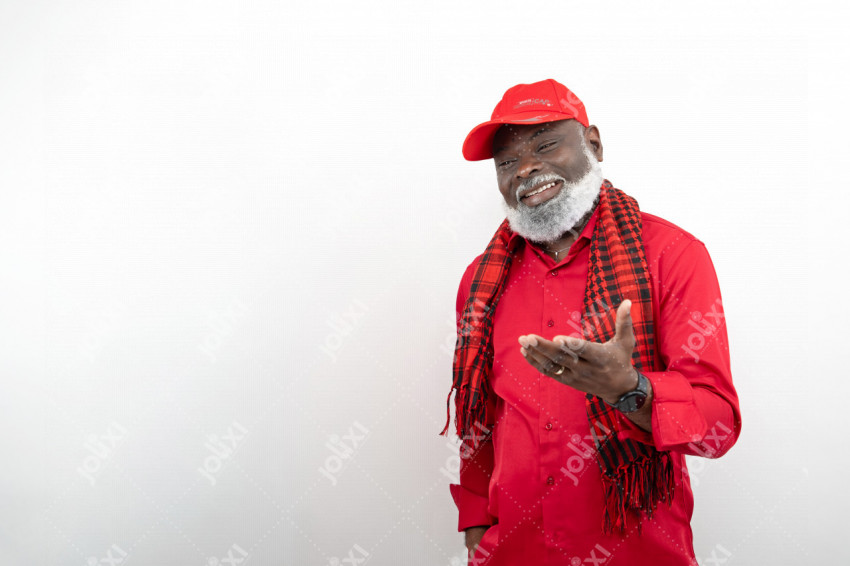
540,189
541,193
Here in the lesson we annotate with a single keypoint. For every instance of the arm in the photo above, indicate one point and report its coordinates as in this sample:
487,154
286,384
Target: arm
471,495
693,406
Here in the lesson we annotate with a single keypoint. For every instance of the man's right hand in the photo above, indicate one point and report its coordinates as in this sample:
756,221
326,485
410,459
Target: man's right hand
473,537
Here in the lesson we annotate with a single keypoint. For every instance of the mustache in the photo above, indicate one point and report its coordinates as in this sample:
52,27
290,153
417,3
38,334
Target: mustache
528,184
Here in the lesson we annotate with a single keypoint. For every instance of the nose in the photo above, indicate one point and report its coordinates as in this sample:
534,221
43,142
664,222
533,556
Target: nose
528,165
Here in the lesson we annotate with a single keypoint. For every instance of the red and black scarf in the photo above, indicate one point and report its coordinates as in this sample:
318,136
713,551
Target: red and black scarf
635,476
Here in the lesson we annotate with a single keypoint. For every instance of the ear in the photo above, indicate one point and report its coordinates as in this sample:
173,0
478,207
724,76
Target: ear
593,141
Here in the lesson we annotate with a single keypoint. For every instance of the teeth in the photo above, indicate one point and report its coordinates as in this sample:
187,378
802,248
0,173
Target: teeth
541,189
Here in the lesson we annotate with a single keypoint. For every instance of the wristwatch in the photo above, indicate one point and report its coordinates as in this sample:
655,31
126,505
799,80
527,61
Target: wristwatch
634,399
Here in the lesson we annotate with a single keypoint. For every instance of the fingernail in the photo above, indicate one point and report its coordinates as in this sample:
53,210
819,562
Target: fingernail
523,352
533,341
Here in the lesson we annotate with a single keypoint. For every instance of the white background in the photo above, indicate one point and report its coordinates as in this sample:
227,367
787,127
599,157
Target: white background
233,232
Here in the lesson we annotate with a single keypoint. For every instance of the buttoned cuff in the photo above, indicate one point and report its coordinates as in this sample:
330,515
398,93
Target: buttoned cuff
676,418
472,508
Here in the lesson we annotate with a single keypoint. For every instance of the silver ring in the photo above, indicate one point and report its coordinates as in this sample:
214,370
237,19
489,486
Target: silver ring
560,370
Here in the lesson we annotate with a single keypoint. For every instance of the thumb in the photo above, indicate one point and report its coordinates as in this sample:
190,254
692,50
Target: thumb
624,329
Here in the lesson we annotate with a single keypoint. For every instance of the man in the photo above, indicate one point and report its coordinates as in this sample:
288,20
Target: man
591,357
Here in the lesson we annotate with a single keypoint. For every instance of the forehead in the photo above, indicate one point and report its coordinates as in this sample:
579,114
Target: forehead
512,134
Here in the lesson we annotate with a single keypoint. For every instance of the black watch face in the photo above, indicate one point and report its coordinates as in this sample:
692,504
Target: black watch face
632,402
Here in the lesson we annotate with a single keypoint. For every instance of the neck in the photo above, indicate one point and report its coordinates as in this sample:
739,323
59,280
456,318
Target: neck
558,249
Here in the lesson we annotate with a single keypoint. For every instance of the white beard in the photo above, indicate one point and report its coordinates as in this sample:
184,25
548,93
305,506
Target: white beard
550,220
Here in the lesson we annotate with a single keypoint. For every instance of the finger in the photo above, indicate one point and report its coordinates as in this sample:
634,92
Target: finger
624,329
530,341
573,346
524,340
529,352
581,350
549,354
544,364
531,357
542,347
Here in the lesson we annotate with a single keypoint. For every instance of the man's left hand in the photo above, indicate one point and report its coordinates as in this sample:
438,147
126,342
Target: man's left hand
604,370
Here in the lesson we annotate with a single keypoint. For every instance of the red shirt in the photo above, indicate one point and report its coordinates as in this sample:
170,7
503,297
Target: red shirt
537,480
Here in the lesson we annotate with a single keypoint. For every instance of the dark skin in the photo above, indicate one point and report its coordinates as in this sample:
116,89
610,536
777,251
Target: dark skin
522,152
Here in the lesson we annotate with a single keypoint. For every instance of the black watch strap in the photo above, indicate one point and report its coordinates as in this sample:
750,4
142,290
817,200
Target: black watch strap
634,399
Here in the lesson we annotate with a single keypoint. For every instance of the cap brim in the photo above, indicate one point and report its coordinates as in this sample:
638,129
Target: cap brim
478,145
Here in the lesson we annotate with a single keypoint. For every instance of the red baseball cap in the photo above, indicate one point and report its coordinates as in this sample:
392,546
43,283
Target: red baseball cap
535,103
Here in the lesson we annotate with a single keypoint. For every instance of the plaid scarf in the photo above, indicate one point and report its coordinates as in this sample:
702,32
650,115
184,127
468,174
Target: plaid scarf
635,476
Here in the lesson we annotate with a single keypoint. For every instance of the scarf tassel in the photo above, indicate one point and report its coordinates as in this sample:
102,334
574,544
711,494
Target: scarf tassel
635,488
471,418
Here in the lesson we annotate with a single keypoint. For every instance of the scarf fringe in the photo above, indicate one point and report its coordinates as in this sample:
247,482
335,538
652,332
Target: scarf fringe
637,487
467,414
448,413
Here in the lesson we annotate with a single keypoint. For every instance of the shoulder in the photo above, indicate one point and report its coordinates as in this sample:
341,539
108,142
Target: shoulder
663,239
469,272
676,258
466,282
660,227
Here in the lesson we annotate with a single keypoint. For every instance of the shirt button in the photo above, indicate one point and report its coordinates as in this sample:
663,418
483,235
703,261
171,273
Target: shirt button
550,481
554,273
550,323
548,426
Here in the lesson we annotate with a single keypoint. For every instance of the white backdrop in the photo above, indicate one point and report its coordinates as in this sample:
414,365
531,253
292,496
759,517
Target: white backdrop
232,235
